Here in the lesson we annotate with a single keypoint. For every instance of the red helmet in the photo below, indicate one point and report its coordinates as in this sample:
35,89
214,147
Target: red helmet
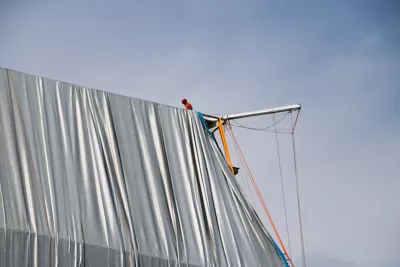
184,101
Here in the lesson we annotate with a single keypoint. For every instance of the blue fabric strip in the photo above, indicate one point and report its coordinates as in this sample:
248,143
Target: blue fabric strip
205,125
281,253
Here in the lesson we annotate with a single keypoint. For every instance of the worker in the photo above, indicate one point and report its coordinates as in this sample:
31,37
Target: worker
187,104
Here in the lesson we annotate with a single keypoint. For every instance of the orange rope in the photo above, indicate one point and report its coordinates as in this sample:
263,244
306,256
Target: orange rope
228,156
261,198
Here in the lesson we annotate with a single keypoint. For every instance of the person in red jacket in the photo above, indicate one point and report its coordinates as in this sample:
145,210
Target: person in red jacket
187,104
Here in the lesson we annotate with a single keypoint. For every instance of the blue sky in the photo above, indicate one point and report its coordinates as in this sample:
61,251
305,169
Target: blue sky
339,59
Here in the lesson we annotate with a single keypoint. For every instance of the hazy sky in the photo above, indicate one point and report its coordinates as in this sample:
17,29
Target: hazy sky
339,59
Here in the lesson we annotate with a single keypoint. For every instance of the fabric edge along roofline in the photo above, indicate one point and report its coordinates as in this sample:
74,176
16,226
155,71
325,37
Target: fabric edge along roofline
222,132
91,87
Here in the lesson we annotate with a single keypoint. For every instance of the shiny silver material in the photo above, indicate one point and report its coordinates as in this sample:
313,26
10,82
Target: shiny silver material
90,178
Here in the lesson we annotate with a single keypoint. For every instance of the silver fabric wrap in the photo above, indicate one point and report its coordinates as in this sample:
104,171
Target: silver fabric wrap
90,178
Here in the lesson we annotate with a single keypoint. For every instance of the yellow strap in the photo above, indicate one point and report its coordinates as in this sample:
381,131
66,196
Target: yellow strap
227,155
